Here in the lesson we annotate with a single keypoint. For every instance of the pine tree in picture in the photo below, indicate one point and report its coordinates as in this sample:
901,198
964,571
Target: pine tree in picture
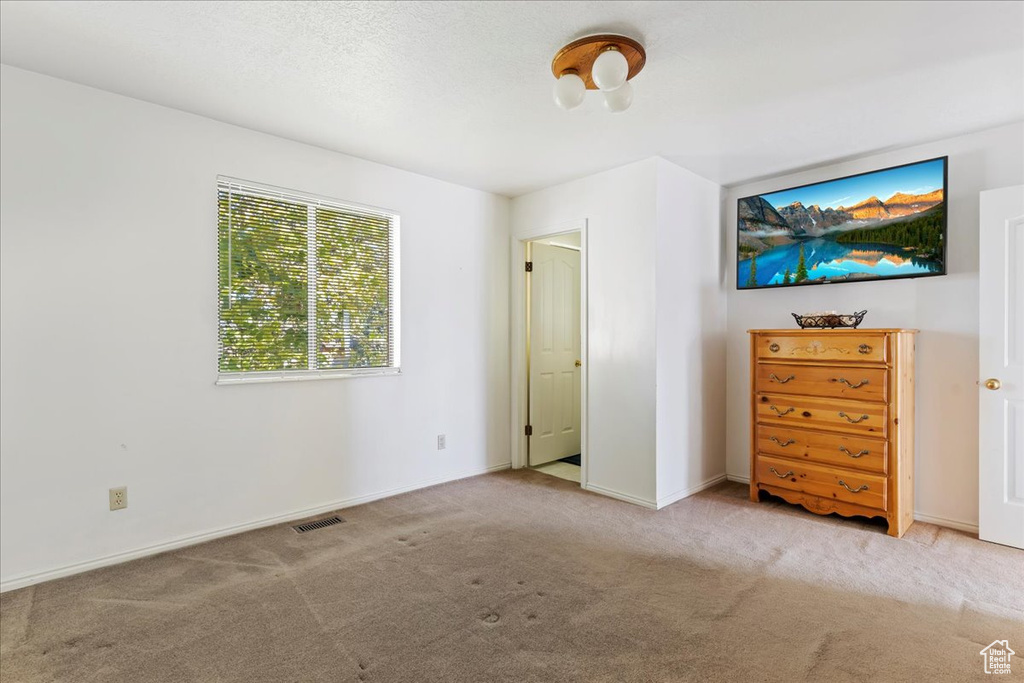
801,266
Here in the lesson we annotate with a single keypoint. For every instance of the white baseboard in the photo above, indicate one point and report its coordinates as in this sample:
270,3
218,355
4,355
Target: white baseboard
942,521
918,516
611,493
117,558
685,493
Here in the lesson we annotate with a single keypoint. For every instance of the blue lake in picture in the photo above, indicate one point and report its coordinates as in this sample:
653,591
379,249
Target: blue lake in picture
826,258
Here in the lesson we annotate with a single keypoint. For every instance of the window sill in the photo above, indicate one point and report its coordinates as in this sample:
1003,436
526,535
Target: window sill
302,375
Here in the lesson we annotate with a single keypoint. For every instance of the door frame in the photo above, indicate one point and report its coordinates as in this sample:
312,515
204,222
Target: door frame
519,329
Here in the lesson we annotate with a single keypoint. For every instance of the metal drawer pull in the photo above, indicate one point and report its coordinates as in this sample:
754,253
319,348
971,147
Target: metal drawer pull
783,476
858,385
773,347
851,454
781,381
787,411
864,348
862,487
783,444
851,419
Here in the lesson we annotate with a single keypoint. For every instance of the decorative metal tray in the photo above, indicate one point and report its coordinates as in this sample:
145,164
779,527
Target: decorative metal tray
829,320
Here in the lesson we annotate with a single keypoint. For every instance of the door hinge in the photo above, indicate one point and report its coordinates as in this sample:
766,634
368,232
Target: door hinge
529,430
529,266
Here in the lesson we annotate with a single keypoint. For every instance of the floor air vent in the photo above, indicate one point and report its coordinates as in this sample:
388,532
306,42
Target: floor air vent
318,524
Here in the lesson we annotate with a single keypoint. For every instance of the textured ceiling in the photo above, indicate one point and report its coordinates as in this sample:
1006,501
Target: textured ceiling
462,90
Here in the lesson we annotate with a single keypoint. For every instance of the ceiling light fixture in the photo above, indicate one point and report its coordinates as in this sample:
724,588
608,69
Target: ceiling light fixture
603,62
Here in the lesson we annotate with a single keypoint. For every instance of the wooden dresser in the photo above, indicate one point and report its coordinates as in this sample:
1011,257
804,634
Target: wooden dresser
832,425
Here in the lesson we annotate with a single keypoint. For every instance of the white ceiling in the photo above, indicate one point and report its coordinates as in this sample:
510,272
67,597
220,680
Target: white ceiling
462,90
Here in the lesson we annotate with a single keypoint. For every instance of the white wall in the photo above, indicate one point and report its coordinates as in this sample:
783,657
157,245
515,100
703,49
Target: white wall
619,209
691,322
109,335
945,309
656,324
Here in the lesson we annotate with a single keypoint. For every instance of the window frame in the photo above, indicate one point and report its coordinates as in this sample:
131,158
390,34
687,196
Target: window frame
394,293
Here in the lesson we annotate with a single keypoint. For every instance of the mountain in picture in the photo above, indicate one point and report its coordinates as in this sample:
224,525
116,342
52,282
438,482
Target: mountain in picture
905,204
757,215
841,230
813,219
871,209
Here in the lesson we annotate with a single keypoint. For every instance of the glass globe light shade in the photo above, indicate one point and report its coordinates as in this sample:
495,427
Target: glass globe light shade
610,70
619,99
570,91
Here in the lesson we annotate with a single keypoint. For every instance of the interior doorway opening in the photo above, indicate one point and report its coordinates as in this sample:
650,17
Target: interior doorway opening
554,355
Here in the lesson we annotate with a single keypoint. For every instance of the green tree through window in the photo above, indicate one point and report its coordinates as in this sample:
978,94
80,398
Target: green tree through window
352,290
304,285
263,290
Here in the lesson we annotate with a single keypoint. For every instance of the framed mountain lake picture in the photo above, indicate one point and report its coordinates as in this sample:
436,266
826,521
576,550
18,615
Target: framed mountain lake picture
881,225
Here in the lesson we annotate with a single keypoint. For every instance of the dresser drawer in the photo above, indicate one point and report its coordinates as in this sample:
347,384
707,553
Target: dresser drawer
857,417
863,383
856,452
859,488
856,347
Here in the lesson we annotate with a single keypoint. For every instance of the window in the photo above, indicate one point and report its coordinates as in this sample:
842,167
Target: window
308,286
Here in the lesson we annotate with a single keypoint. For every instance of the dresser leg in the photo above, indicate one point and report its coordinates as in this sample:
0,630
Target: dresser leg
898,527
753,493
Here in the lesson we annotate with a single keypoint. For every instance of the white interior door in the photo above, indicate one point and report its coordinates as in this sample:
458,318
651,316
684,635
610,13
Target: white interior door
554,353
1001,419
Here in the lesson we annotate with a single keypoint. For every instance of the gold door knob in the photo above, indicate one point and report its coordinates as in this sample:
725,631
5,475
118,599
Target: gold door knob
579,364
993,384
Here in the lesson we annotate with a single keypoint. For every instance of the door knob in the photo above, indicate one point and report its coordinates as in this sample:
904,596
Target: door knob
579,363
993,384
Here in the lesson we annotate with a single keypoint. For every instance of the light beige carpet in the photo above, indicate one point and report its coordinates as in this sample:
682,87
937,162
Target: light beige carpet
520,576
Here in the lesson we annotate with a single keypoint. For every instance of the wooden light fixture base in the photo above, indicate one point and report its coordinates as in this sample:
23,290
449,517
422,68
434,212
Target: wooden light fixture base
579,55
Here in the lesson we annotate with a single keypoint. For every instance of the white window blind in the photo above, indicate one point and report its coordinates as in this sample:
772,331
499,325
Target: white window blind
308,285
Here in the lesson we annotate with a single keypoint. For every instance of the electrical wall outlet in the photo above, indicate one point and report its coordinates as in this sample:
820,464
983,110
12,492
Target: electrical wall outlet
119,498
441,442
